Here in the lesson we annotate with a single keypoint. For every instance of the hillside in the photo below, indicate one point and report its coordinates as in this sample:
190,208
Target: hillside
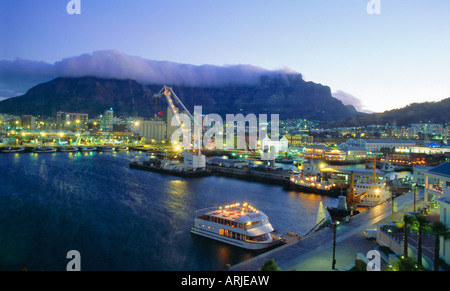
433,112
284,94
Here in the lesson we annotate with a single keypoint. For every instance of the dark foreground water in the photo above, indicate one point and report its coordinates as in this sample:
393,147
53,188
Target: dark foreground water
124,219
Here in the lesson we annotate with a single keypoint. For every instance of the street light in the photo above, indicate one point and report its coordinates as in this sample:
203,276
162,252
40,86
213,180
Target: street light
333,264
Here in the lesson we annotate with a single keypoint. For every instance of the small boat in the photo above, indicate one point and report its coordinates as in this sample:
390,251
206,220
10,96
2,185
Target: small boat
105,149
88,149
310,180
387,167
68,149
237,224
44,150
121,148
12,150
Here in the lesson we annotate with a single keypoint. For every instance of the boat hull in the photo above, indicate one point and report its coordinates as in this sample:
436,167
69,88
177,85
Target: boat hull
68,150
235,242
45,151
88,149
12,150
340,214
185,174
330,192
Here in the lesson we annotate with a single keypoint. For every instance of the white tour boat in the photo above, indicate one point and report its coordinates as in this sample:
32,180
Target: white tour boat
237,224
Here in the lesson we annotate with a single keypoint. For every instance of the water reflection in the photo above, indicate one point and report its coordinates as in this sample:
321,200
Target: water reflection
125,219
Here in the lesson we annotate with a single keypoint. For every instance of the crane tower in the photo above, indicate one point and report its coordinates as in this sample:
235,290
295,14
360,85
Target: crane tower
190,159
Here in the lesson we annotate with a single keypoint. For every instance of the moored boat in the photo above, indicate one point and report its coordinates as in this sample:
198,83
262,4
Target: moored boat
121,148
310,180
387,167
105,149
12,150
68,149
238,224
88,149
44,150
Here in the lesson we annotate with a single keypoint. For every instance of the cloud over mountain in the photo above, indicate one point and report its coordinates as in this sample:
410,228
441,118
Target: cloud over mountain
17,76
349,99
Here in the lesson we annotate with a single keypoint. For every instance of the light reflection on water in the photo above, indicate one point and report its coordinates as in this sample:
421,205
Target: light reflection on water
125,219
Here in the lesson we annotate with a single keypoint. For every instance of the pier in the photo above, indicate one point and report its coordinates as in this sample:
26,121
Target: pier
184,174
271,177
280,177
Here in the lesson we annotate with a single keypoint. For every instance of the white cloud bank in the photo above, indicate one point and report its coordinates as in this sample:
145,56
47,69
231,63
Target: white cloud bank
18,76
349,99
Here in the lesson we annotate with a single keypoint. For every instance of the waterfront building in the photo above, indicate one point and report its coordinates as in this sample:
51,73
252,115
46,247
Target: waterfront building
299,139
28,121
335,155
437,179
419,174
315,151
153,129
353,153
66,120
278,145
375,145
107,120
440,191
429,149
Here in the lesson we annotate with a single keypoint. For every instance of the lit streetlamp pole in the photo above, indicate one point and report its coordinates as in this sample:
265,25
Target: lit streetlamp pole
415,195
333,264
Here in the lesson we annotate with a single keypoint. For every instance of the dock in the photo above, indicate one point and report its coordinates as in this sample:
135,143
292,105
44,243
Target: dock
279,177
244,173
272,177
178,173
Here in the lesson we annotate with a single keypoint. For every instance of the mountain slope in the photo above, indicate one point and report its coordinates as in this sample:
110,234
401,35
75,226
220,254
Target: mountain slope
285,94
433,112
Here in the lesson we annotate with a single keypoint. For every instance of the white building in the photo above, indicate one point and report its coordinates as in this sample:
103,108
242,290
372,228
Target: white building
440,191
279,145
153,129
419,174
376,144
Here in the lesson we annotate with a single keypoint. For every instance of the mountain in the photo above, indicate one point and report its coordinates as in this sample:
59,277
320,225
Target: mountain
82,95
433,112
19,75
285,94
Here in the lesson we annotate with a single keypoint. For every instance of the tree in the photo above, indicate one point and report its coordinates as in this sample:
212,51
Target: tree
438,229
270,265
405,264
421,224
408,220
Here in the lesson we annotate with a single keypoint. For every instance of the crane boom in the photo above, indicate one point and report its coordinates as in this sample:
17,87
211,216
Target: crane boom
168,93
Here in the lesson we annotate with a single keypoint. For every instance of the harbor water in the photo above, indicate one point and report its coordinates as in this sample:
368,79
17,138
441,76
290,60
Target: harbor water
124,219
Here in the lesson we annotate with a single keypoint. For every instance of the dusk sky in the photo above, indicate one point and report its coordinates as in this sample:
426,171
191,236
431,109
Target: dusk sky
384,61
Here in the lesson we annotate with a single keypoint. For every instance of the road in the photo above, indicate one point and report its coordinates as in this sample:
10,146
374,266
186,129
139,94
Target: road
314,252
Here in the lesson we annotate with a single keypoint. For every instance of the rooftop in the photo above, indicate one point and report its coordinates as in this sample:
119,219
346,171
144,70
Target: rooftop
441,170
